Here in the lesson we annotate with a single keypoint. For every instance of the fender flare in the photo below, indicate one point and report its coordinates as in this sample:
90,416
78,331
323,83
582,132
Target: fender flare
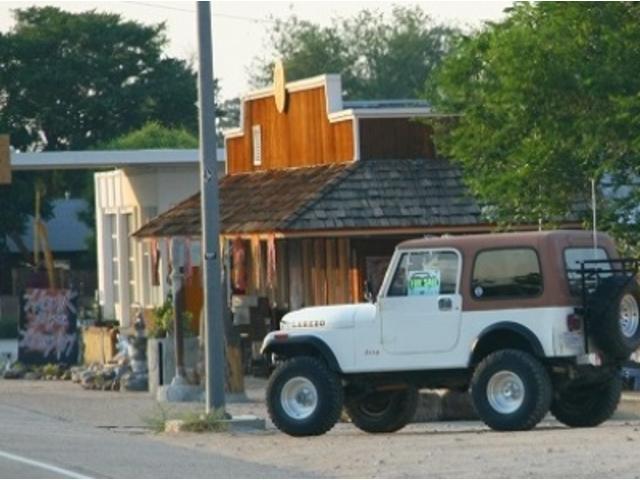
301,343
514,327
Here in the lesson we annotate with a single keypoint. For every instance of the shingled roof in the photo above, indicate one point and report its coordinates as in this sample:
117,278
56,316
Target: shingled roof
363,194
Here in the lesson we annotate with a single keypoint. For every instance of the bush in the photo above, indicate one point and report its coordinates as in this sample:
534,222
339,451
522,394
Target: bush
162,324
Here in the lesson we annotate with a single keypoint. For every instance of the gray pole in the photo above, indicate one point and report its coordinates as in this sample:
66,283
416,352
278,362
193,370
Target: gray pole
214,327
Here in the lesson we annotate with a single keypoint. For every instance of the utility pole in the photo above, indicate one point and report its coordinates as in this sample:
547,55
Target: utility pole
214,326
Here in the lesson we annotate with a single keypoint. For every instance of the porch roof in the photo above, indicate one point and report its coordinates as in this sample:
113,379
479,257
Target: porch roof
363,194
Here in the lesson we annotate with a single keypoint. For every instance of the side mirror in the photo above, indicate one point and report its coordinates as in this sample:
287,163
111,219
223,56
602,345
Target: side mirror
369,295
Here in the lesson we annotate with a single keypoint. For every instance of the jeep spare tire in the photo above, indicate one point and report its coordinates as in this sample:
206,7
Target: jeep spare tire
511,390
614,316
384,411
304,397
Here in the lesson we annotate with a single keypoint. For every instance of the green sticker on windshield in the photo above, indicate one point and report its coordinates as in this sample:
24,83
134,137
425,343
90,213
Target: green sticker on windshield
424,283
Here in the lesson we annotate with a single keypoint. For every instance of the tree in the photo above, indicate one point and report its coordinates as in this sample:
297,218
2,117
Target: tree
152,135
228,117
378,58
548,101
73,81
69,81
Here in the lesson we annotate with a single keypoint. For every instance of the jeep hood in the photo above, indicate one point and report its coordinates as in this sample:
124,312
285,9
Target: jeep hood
328,317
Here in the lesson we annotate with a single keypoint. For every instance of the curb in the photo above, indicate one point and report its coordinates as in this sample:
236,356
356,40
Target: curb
240,423
629,407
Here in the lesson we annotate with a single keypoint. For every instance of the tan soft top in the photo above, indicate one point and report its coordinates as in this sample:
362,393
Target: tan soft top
489,240
550,246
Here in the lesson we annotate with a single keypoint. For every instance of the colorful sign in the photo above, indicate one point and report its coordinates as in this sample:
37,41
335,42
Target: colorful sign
424,283
48,327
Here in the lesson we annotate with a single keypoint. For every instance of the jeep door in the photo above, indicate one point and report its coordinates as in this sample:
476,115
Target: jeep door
421,306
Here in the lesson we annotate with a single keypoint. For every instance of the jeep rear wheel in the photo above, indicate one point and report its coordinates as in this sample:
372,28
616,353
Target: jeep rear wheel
511,390
614,316
304,397
588,405
383,412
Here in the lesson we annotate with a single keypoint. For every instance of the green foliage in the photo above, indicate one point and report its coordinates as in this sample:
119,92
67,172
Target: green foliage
104,76
378,58
51,369
204,422
163,320
152,135
192,421
549,100
157,419
229,117
71,81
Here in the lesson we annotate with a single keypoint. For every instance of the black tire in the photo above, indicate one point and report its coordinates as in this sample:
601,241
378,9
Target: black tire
534,389
588,405
605,311
329,395
383,412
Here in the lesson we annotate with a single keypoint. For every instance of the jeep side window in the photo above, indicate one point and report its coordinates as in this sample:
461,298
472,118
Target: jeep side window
424,274
506,273
574,256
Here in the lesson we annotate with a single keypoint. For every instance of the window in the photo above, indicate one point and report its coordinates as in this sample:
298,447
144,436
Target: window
131,253
150,292
425,274
506,273
256,136
573,257
112,222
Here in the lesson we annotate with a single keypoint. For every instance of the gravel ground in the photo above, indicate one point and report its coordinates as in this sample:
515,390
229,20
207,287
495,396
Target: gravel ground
460,449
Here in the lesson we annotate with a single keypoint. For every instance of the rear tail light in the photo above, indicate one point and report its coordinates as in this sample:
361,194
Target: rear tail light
574,322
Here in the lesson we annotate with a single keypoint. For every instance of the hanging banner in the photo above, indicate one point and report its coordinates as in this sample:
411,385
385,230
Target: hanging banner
48,327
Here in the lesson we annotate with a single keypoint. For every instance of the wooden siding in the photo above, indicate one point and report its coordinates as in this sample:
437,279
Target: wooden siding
389,138
301,136
194,297
320,272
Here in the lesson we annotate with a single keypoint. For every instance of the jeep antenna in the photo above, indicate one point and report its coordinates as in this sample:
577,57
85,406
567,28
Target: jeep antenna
593,209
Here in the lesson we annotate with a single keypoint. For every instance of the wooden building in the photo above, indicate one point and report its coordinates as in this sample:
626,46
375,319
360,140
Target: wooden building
319,190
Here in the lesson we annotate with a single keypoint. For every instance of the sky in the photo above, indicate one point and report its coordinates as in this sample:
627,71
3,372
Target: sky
240,28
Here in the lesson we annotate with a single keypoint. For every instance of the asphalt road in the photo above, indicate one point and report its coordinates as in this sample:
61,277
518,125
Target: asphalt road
35,445
59,430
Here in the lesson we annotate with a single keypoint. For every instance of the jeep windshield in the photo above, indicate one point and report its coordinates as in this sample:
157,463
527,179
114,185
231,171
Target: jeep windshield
573,258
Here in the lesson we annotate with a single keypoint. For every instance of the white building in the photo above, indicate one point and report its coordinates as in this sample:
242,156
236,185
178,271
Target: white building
135,186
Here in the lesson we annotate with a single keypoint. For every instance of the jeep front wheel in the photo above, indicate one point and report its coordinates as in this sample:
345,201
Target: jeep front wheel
383,412
511,390
304,397
588,405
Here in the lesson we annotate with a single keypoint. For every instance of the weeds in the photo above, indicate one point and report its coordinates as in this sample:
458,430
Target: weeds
157,419
204,422
195,422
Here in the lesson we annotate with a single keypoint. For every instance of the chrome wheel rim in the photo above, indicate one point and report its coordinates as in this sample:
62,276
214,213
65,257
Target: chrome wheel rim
299,398
505,392
629,315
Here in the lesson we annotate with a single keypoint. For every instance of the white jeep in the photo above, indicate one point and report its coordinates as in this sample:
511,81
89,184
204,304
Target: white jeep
529,322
